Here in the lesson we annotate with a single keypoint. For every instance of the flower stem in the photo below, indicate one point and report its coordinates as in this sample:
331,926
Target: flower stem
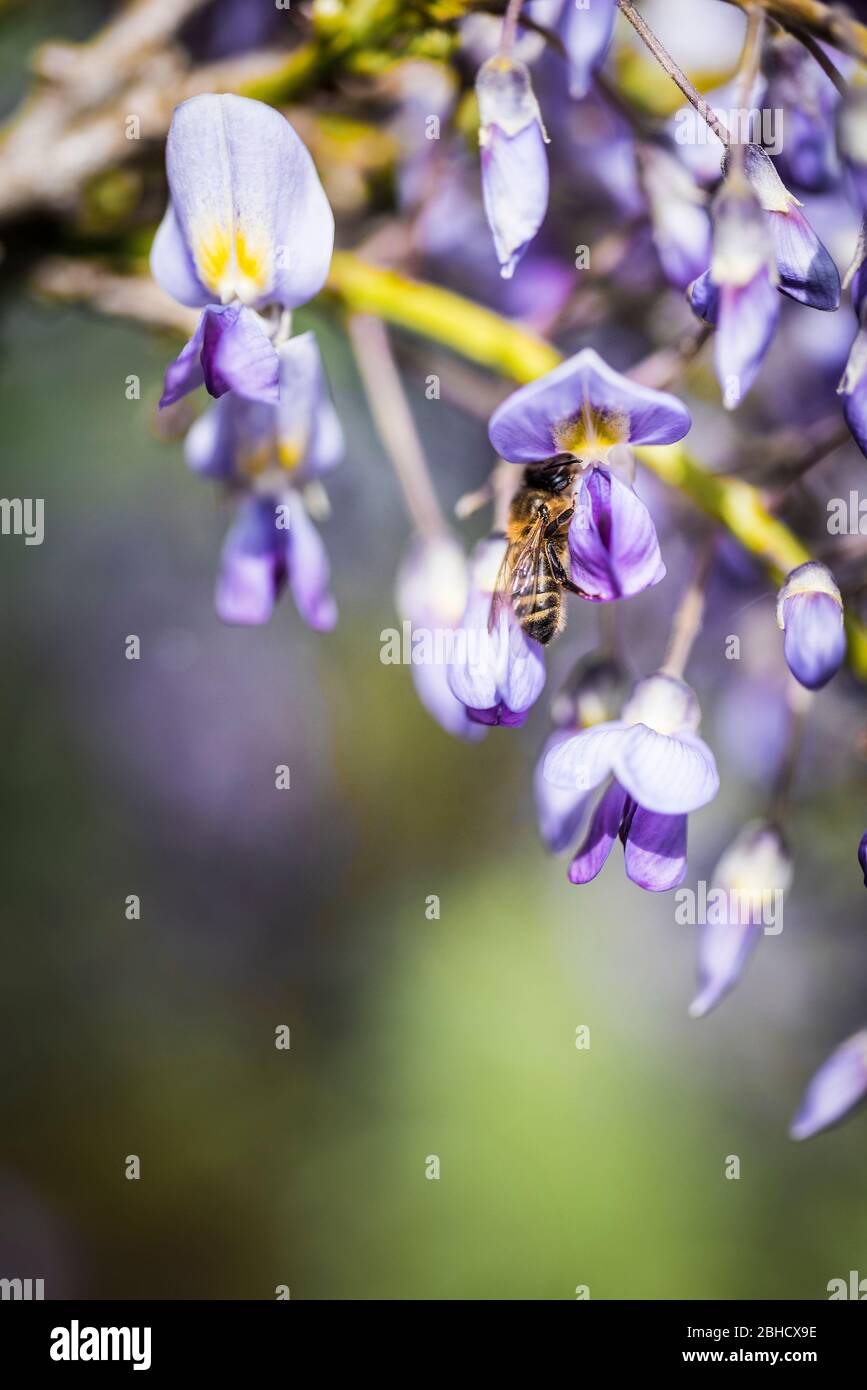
510,27
816,50
394,423
665,60
689,616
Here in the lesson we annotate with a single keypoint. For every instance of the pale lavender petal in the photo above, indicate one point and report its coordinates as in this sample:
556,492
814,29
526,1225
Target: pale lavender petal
521,673
172,265
497,675
656,850
515,190
723,950
613,546
309,434
604,829
186,373
581,407
746,317
309,572
839,1084
666,773
252,566
248,202
815,640
586,32
212,441
560,811
431,681
862,856
582,761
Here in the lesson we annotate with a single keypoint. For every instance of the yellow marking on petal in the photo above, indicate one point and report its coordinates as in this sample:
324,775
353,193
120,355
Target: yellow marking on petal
290,452
592,433
213,251
253,267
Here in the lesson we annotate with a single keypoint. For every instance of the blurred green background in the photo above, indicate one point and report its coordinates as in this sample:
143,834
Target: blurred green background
409,1037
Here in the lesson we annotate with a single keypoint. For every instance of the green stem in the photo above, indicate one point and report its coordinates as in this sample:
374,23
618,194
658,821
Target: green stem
484,337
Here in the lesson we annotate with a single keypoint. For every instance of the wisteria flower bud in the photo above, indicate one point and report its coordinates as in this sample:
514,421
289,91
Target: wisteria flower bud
738,293
805,268
810,613
838,1086
753,873
514,161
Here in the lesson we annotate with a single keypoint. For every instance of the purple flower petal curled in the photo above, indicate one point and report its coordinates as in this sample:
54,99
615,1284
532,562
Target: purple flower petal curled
862,856
308,570
604,830
723,950
671,774
252,567
839,1084
655,850
613,546
229,351
815,642
583,407
514,190
247,203
805,267
498,674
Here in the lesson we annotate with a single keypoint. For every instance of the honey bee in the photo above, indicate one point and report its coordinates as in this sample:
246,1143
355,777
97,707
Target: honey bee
533,576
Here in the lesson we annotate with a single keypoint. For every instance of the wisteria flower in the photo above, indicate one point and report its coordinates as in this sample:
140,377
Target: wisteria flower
583,409
514,160
753,875
269,454
657,771
737,295
431,595
497,672
248,226
585,31
680,221
810,613
838,1086
853,383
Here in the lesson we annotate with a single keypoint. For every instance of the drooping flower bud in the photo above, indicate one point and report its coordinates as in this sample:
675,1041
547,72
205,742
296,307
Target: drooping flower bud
810,613
514,162
839,1084
753,874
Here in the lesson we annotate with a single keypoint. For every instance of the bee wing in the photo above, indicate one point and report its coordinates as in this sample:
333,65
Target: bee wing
519,571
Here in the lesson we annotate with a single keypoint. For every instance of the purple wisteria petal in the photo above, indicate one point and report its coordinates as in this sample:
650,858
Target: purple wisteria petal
806,270
309,572
604,830
666,773
680,221
252,567
431,681
514,161
228,352
214,440
723,950
655,850
309,434
839,1084
815,640
746,319
498,674
583,761
853,386
805,267
515,191
862,856
586,33
172,264
613,547
560,811
583,407
248,203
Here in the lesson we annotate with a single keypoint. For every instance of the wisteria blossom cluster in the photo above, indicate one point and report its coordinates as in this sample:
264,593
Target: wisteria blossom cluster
723,224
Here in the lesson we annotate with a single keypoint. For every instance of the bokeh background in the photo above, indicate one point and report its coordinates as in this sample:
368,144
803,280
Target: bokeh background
306,907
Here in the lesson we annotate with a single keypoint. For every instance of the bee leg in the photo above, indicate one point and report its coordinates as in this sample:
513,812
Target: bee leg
560,574
558,523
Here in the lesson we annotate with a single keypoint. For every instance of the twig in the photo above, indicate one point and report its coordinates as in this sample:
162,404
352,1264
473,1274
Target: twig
816,51
689,616
665,60
394,423
510,27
